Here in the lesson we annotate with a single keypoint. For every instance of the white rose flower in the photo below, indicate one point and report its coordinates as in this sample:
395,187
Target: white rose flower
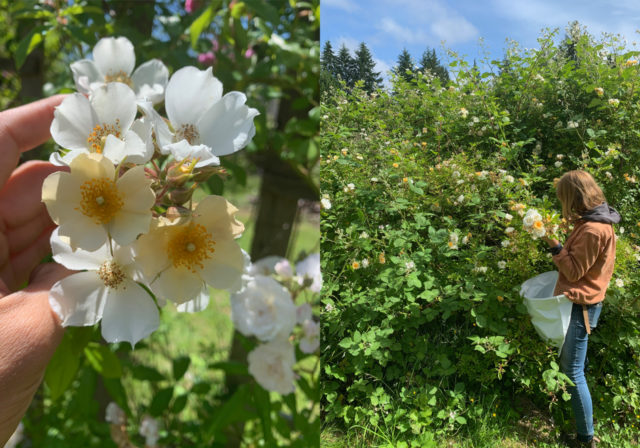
179,258
88,204
101,124
325,203
619,283
105,291
149,429
113,61
309,268
115,415
502,264
509,230
263,309
311,340
508,217
206,124
271,365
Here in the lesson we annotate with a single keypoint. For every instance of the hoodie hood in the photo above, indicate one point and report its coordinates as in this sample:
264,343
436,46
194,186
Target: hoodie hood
602,213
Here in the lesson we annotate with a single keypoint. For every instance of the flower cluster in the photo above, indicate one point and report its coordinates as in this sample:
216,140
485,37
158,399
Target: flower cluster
264,308
127,219
537,226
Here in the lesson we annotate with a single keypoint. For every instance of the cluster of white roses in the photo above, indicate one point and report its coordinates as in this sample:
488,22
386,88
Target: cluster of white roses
265,308
124,208
533,223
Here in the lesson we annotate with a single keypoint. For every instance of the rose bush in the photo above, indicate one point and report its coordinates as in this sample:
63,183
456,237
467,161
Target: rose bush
424,195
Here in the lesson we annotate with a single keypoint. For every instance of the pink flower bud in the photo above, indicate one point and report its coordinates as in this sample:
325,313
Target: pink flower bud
206,58
249,53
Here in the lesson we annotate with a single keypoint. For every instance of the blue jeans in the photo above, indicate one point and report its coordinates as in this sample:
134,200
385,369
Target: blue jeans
573,361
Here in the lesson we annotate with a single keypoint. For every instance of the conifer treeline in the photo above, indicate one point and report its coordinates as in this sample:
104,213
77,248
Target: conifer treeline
343,67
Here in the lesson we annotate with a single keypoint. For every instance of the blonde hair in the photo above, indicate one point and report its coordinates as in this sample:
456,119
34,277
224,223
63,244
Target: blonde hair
578,193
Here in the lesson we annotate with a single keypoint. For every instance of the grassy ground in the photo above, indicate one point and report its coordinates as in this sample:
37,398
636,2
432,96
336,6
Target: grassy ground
535,430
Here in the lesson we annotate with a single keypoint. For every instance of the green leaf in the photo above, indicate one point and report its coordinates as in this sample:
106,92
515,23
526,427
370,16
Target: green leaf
265,11
179,403
62,368
141,372
202,22
231,410
117,392
180,366
103,360
160,401
232,367
263,404
27,45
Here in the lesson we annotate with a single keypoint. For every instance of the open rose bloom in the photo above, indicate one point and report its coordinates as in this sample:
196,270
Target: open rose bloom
129,224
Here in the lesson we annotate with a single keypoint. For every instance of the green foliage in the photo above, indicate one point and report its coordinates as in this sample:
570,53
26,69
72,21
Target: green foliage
422,315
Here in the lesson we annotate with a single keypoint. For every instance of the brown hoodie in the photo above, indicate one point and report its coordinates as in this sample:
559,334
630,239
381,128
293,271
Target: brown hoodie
586,262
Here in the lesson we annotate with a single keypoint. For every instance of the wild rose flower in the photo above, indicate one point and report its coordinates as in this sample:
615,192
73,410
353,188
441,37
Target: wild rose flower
106,291
204,123
113,61
271,364
206,58
102,124
89,203
264,309
311,340
180,258
309,268
149,429
325,203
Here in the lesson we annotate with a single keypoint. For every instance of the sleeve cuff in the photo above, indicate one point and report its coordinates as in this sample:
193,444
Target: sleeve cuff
555,250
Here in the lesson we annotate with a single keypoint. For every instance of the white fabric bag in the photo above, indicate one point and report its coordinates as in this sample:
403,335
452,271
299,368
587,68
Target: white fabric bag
550,315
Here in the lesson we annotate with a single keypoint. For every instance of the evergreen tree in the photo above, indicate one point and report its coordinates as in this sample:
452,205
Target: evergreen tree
328,59
346,66
364,69
405,66
430,62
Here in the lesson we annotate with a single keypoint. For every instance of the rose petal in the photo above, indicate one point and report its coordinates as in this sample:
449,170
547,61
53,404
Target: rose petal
183,150
129,314
115,105
217,215
79,259
189,94
225,266
198,304
73,121
78,299
177,284
85,72
113,55
228,125
150,80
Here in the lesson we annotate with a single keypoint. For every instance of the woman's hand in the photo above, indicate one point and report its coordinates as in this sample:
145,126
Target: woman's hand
550,242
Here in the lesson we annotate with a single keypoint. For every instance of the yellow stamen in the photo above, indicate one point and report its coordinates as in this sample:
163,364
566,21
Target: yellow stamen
189,133
111,274
98,136
101,199
189,245
119,77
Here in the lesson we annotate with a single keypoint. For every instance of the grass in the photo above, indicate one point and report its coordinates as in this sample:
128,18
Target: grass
534,427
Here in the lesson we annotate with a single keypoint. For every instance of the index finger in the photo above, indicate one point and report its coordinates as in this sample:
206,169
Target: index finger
23,128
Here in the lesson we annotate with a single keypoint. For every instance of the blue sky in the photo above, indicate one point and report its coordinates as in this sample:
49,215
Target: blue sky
388,26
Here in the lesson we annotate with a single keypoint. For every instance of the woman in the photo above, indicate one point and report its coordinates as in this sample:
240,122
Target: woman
585,265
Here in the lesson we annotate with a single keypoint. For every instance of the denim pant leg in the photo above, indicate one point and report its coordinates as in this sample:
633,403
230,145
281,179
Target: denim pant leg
573,362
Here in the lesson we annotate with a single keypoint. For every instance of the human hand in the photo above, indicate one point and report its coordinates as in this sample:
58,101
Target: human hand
29,330
551,242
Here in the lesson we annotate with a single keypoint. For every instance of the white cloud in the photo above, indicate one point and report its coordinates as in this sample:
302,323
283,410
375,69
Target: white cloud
345,5
454,29
349,42
401,33
441,21
382,67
